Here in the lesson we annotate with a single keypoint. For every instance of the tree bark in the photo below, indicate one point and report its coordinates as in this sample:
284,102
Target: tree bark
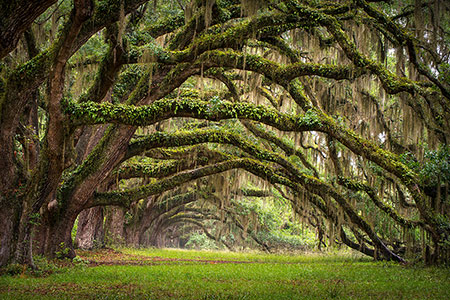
59,242
114,222
8,224
15,18
90,232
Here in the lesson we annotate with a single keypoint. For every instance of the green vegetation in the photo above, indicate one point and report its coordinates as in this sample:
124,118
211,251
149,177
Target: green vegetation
181,274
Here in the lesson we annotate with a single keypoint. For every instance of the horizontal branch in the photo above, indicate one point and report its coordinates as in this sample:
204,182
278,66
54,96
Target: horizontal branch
256,193
234,35
90,113
177,153
276,72
151,170
161,169
188,107
126,197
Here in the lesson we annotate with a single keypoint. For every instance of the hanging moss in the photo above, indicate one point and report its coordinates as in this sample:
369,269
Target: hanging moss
359,186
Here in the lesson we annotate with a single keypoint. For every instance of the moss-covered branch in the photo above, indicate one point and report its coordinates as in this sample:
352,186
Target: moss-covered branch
147,170
207,136
167,25
125,198
361,247
367,149
90,113
178,153
278,73
387,160
161,169
200,109
169,203
288,149
233,36
100,113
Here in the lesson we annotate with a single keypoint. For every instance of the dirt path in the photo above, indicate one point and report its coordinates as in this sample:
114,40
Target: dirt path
112,257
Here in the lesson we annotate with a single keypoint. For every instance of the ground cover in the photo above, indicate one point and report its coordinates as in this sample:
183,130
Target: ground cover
179,274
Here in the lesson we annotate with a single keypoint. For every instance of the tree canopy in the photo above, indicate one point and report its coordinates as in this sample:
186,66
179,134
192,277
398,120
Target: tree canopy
341,109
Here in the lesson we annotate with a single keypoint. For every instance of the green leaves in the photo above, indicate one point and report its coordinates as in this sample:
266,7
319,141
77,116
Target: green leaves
311,118
435,167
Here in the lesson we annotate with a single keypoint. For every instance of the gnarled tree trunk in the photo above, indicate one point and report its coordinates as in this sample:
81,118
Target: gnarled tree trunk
114,222
90,233
8,225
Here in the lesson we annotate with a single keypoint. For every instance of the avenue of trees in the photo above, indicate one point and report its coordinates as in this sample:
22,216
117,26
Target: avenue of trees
142,119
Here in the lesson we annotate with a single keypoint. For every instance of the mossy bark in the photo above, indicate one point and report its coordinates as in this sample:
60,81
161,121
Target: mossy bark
16,17
90,232
8,223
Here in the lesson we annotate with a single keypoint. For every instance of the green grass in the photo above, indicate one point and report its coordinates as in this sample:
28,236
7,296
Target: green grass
265,277
252,256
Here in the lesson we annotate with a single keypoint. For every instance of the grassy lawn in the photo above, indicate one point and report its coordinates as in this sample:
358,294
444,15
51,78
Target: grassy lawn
166,274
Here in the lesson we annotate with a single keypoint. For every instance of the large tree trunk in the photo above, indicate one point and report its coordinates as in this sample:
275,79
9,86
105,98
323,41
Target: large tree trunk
8,225
53,237
144,240
90,233
155,239
132,235
114,221
24,249
59,243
